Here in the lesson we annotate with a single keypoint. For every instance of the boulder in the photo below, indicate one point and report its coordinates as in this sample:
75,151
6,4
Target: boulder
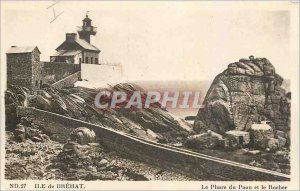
72,148
280,134
242,137
230,142
59,106
83,135
76,151
272,144
247,92
14,96
43,103
31,100
260,133
103,162
282,141
206,140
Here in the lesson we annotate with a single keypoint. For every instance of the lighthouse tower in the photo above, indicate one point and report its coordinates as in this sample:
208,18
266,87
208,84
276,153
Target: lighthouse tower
86,30
78,50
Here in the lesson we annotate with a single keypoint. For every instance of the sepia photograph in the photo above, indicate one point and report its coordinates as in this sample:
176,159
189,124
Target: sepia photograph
96,92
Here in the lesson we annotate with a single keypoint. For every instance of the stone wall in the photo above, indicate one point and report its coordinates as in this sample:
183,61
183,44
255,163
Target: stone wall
197,165
19,69
68,81
55,71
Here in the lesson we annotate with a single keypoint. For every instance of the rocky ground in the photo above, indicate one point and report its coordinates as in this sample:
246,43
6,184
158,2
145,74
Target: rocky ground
268,154
247,93
52,160
278,161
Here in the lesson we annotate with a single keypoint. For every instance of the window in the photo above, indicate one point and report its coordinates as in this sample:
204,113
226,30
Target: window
96,61
92,60
61,59
86,59
79,60
37,83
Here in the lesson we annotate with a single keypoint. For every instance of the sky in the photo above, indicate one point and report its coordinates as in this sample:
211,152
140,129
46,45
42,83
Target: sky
160,40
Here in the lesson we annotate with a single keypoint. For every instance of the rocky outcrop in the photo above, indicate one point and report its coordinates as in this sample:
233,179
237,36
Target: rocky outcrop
27,130
247,92
14,96
152,123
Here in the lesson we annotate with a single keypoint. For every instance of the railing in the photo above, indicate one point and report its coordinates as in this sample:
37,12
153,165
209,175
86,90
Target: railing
87,28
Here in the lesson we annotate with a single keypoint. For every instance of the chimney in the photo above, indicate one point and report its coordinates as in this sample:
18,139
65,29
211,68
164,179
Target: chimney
71,37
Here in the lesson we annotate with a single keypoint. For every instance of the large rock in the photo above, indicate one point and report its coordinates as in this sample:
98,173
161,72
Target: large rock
242,137
260,134
43,103
58,105
83,135
247,92
14,96
207,140
272,144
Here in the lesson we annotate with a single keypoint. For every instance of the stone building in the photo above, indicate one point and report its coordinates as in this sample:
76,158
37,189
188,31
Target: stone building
23,67
78,50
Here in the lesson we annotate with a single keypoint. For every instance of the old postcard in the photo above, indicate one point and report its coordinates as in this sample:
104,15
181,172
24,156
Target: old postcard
149,95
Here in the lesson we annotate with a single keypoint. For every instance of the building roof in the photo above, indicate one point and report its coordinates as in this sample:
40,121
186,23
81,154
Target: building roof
66,53
80,45
23,49
86,45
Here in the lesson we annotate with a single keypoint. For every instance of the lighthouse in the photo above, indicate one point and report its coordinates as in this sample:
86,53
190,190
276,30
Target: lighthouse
87,29
78,50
